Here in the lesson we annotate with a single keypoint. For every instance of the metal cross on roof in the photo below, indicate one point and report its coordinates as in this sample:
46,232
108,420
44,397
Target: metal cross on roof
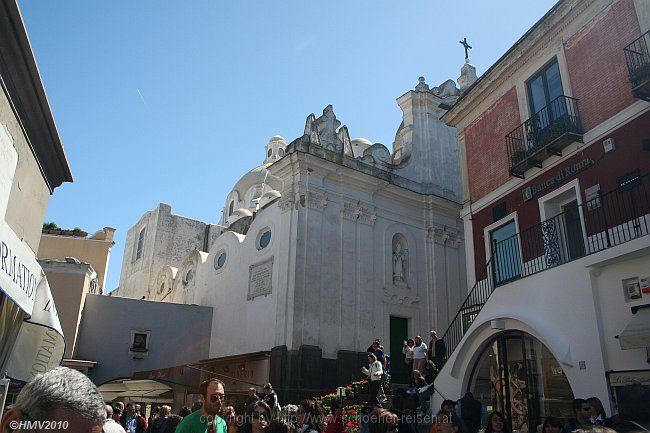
467,47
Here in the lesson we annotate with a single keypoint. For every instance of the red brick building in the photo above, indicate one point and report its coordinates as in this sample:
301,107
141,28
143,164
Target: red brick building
554,142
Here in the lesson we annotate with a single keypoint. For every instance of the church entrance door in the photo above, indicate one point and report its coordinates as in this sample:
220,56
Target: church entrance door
399,371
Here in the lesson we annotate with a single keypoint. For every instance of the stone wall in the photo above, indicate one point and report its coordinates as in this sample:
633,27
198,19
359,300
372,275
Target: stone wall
304,373
168,239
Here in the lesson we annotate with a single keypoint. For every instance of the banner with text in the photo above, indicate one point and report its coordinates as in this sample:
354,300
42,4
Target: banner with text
39,346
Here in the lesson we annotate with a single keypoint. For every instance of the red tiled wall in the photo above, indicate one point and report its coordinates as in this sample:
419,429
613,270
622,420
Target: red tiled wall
487,158
596,62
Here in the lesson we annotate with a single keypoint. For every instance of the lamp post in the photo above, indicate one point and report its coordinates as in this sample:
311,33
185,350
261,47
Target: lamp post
341,392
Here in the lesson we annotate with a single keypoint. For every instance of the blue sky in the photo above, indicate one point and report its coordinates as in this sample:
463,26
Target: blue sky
173,101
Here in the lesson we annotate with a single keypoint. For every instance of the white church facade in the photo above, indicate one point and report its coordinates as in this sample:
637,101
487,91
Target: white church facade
327,245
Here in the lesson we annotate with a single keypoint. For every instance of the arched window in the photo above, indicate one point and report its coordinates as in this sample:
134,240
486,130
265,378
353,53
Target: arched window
269,153
231,207
400,259
280,152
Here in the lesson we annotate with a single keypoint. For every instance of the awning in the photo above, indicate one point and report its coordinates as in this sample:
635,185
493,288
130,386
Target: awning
138,390
39,346
637,333
177,375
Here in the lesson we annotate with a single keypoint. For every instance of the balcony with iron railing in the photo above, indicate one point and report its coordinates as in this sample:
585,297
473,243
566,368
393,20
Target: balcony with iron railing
546,133
605,221
637,57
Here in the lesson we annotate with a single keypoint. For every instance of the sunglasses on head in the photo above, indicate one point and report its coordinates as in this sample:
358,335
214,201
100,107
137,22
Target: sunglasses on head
215,397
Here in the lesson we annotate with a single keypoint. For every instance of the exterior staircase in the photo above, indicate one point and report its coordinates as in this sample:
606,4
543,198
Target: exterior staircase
609,219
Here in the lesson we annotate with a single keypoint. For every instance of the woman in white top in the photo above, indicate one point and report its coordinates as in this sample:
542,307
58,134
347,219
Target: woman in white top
407,350
374,373
419,354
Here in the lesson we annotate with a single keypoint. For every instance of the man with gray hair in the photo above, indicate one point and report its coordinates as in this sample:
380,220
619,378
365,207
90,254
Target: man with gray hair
61,400
110,426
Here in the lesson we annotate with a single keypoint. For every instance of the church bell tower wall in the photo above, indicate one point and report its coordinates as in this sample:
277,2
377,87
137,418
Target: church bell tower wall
159,239
432,145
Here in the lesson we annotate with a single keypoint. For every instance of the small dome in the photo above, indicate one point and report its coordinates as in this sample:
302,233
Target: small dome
359,145
272,194
268,197
242,212
360,141
275,149
238,214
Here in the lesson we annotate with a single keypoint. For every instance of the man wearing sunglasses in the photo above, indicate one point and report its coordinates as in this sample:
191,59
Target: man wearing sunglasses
206,420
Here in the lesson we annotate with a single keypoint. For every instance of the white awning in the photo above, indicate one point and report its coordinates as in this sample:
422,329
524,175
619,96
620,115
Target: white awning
39,346
136,390
637,333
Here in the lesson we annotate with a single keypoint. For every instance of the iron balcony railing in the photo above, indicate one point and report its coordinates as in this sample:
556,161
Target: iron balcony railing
605,221
637,57
546,133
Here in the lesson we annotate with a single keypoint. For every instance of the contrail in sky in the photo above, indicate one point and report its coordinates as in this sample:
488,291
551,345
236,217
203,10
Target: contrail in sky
142,97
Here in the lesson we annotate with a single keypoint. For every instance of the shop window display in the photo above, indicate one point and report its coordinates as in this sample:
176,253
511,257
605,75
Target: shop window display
517,375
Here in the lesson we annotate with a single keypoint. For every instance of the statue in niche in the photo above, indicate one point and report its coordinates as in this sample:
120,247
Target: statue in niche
400,263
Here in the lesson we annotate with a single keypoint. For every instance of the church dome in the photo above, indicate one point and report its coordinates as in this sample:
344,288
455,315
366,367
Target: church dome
251,187
249,190
257,177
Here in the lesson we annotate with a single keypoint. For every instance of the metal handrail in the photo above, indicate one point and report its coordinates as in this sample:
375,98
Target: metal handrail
607,220
637,57
559,117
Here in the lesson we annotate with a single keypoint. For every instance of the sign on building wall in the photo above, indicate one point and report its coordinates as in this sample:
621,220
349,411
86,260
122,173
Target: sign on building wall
533,190
39,346
630,378
259,279
631,289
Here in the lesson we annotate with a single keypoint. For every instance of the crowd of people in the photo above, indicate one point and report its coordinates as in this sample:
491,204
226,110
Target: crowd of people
68,401
65,400
424,362
473,417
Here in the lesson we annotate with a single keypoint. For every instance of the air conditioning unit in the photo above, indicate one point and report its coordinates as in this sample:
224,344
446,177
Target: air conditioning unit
608,145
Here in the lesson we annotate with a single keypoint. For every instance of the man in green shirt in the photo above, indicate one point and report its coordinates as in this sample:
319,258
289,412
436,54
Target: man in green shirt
206,420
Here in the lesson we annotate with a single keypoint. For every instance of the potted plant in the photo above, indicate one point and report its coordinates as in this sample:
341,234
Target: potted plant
79,233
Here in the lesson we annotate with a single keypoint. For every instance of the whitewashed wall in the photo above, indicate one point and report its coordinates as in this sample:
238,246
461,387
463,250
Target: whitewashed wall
574,309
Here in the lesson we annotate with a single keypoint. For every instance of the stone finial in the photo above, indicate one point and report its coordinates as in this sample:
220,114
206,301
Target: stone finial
344,137
311,130
467,76
326,127
422,86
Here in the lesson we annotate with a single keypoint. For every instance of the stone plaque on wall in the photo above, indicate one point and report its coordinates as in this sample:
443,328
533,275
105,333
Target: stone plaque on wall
259,279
